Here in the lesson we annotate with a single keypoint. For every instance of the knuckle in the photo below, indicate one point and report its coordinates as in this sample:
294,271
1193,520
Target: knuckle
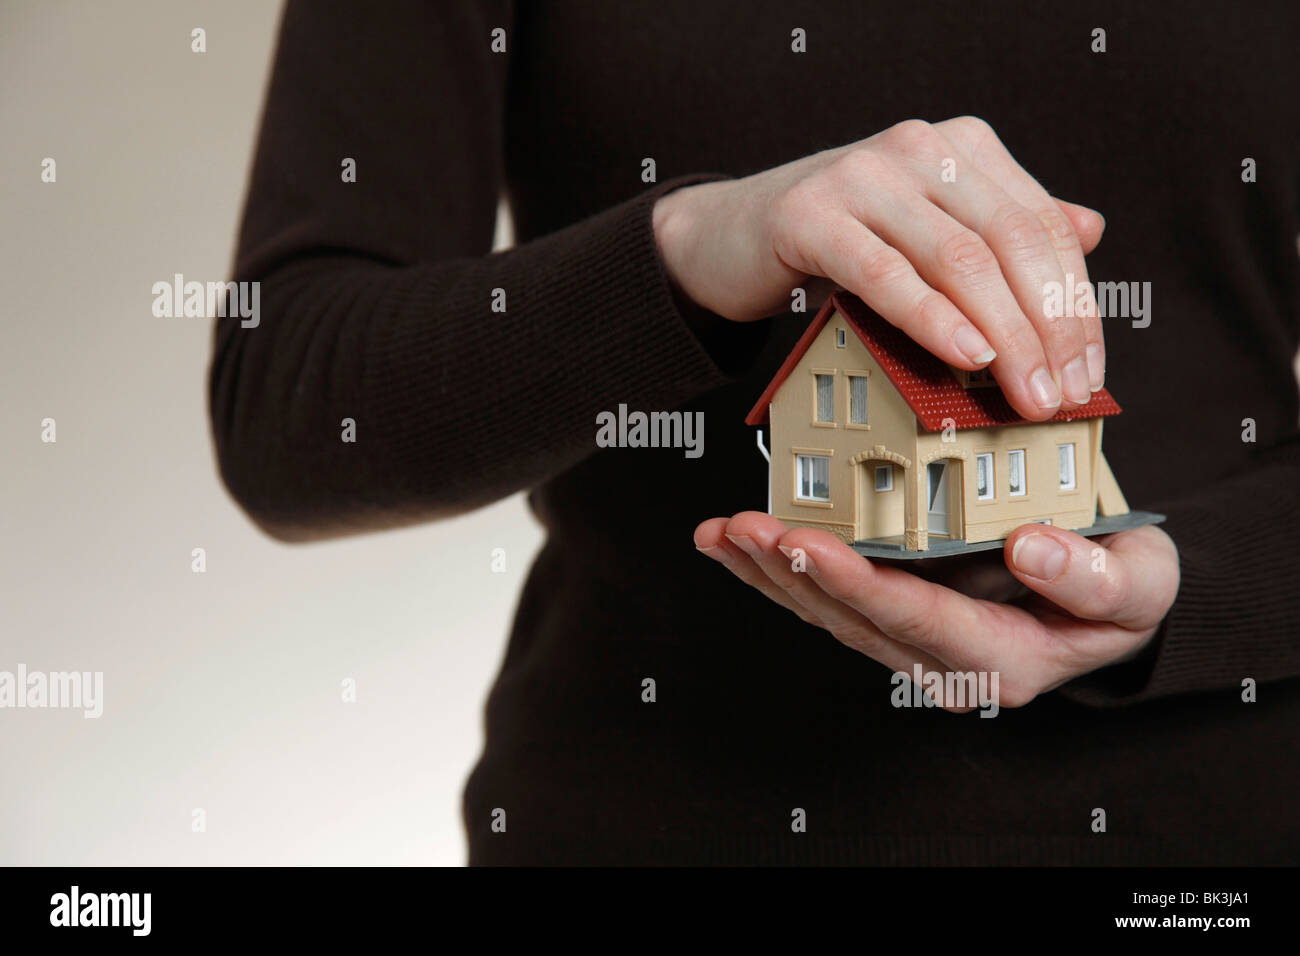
885,266
1059,229
973,124
1025,343
974,133
861,638
1111,594
912,135
916,629
1058,332
917,626
1018,228
791,584
963,252
929,311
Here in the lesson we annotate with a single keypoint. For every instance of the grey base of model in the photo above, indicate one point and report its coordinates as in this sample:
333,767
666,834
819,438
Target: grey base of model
947,547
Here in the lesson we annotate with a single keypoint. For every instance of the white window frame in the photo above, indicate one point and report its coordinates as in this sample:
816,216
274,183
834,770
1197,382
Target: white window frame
992,487
1024,473
799,465
889,478
1074,474
841,340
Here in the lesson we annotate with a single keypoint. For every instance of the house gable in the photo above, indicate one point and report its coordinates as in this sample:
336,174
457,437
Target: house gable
888,415
845,453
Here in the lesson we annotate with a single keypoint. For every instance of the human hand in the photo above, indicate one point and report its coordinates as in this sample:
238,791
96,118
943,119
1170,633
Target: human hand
1092,602
960,266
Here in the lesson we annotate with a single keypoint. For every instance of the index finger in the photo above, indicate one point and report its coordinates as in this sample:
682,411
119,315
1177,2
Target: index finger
991,157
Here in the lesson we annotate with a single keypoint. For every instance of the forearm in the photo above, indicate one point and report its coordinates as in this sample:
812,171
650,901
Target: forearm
454,404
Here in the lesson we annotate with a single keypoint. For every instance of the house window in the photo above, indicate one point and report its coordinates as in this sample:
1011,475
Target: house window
857,399
1065,457
825,388
839,338
984,476
814,478
980,378
1016,471
884,477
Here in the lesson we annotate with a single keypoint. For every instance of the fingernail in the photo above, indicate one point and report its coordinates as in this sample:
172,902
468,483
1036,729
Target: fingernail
1040,556
745,543
1074,377
974,346
1043,387
1096,368
716,553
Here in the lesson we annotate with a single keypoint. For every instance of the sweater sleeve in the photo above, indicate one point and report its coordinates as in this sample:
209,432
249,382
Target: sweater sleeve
459,376
1239,556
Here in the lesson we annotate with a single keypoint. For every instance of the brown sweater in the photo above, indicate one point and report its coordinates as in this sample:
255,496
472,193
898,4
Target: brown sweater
377,306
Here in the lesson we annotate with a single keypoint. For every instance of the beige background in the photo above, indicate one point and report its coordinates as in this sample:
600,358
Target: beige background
222,690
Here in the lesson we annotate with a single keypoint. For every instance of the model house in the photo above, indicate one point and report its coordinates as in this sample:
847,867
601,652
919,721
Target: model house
877,441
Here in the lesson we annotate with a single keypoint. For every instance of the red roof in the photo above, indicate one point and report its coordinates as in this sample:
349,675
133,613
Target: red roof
926,383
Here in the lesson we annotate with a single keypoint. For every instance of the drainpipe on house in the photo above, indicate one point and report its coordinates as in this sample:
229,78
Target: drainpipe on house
763,450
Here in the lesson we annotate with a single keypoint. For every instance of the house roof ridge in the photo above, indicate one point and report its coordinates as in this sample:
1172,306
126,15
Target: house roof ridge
924,381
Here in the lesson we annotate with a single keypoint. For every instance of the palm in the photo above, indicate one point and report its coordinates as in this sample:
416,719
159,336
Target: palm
1102,607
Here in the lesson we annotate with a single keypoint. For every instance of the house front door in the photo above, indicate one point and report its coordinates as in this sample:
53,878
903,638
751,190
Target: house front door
937,495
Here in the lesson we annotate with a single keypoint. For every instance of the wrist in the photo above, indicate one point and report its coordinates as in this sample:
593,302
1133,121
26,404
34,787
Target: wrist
671,222
675,220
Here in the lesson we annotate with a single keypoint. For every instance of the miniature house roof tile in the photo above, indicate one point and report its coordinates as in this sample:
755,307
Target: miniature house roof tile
926,383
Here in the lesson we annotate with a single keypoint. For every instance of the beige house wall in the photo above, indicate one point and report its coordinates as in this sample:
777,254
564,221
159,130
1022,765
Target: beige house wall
889,438
1044,499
